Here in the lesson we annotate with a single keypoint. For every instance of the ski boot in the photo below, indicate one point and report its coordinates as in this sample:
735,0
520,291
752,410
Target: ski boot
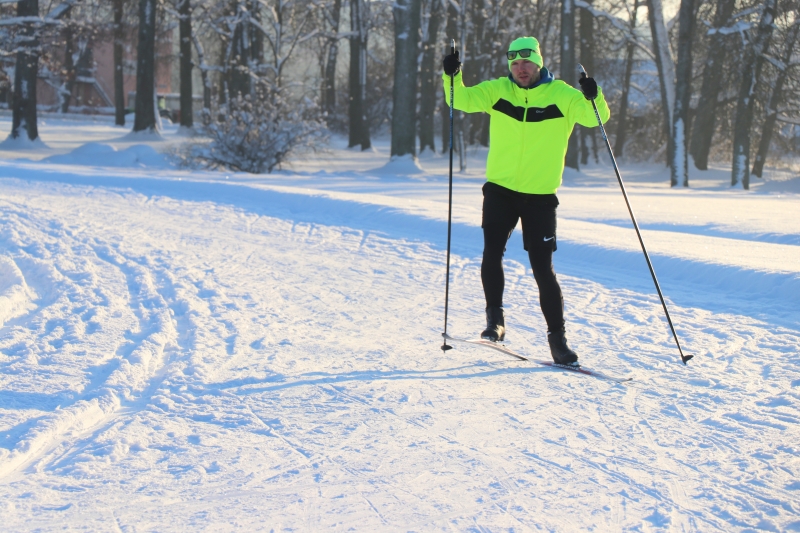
562,354
495,325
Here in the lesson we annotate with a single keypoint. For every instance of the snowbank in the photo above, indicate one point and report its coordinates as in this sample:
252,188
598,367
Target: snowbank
402,165
105,155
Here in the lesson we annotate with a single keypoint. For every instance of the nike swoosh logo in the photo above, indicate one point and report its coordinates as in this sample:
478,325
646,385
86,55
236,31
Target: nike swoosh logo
550,239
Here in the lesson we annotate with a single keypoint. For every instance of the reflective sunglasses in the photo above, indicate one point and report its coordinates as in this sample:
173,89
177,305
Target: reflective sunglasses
524,54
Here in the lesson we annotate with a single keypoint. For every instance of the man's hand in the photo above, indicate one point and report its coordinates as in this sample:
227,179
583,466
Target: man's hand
588,87
451,64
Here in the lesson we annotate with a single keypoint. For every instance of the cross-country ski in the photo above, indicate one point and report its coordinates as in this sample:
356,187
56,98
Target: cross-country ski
504,349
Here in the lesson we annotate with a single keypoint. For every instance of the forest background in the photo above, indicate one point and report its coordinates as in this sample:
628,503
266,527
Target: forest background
710,82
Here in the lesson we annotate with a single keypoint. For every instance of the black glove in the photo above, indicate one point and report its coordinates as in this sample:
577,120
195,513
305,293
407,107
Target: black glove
451,64
588,86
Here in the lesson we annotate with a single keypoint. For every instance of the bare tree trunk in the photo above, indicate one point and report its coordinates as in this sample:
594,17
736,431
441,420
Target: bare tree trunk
119,83
25,74
460,119
146,68
239,78
480,53
404,95
206,79
256,64
256,59
679,167
568,68
65,92
430,80
225,62
587,60
329,74
487,34
451,31
185,35
754,60
359,128
622,120
665,65
774,100
705,120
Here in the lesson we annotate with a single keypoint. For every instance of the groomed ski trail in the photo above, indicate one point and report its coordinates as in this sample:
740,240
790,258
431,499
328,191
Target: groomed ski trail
302,383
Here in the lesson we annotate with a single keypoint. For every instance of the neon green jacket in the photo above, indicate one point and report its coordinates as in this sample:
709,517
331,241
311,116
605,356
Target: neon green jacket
529,128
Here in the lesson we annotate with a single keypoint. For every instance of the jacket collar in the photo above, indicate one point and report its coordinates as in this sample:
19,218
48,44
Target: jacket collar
545,77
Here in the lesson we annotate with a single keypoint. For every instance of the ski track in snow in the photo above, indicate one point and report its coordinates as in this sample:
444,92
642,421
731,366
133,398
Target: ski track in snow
173,363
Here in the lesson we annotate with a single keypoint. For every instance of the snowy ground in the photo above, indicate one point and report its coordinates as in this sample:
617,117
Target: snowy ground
211,351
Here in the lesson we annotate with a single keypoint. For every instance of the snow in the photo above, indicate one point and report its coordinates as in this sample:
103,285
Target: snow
22,143
106,155
401,165
186,350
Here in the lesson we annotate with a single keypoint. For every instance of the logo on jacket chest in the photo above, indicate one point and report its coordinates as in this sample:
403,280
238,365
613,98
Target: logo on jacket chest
535,114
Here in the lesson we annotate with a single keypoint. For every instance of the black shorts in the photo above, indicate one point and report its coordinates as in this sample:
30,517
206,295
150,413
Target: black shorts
503,208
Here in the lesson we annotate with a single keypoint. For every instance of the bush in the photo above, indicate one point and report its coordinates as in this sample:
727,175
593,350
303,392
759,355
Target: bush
256,133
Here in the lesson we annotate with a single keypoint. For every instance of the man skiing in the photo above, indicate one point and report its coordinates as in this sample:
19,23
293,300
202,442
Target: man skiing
531,118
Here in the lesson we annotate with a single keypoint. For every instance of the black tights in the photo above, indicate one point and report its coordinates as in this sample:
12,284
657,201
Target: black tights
550,297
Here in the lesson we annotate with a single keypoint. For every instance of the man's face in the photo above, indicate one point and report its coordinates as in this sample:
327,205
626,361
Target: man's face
524,71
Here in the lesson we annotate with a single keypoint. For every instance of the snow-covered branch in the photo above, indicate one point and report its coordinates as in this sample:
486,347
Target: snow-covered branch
621,25
19,21
61,9
789,120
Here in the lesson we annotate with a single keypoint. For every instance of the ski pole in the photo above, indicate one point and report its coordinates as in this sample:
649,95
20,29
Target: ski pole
446,346
684,358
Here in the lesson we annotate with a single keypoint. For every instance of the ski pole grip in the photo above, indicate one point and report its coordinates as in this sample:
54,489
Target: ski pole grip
452,46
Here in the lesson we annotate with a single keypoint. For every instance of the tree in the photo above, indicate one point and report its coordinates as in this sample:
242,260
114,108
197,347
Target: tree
665,66
451,32
404,109
286,25
119,85
752,64
568,68
332,14
707,105
82,69
254,41
25,73
359,129
242,52
587,60
65,91
185,54
622,116
488,34
37,43
213,24
204,76
146,68
430,74
234,23
609,25
679,168
775,99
